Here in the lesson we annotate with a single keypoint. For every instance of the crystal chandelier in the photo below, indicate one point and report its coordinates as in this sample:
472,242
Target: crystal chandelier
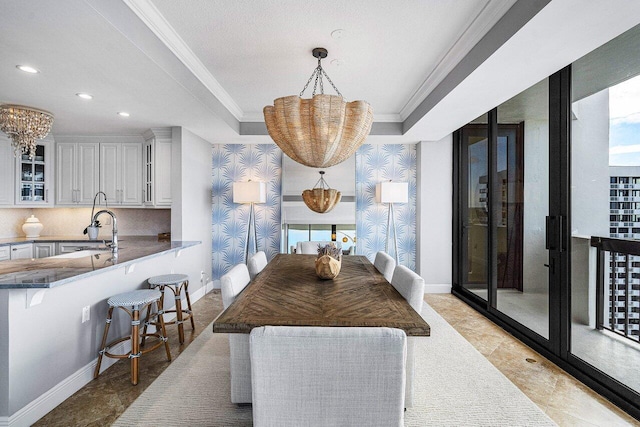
322,131
321,198
24,125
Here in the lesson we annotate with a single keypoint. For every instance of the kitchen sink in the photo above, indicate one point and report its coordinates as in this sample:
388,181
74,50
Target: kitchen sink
84,253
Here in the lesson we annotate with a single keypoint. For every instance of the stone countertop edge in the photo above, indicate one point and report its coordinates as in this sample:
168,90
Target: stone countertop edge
52,239
69,272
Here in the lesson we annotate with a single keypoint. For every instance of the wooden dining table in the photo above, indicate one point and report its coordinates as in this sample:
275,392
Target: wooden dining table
289,293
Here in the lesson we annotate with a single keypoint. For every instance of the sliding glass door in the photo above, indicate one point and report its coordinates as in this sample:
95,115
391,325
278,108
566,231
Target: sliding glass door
547,218
503,205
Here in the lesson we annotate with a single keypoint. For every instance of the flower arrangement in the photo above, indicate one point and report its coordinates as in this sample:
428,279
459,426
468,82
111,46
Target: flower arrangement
330,249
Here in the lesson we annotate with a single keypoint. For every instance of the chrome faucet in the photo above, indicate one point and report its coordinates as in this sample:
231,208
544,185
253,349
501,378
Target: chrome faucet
114,229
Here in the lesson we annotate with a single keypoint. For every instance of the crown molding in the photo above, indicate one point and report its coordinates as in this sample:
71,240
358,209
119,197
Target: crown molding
157,133
481,24
152,18
380,118
99,138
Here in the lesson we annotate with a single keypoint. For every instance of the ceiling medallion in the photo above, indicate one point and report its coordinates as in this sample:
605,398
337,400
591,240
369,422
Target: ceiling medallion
321,198
24,125
322,131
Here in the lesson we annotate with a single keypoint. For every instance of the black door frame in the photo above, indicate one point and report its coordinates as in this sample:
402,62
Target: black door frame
558,347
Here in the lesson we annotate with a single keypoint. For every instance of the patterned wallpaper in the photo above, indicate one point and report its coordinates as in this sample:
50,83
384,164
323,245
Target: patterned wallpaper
376,163
240,162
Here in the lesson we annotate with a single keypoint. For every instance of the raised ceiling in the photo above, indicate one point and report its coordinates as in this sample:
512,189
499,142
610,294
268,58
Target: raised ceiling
426,67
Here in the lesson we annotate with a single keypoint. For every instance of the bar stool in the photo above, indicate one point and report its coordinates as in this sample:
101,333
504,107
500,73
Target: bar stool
132,303
175,282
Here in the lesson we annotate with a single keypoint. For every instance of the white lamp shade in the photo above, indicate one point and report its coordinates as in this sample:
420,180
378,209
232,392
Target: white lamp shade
392,192
249,192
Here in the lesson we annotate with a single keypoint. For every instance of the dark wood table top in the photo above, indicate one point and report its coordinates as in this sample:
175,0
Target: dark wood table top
288,293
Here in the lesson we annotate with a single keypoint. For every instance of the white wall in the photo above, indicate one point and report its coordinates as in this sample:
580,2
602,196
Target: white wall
536,205
191,172
590,166
434,211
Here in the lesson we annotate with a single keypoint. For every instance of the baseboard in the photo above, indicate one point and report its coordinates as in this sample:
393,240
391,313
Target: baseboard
437,288
42,405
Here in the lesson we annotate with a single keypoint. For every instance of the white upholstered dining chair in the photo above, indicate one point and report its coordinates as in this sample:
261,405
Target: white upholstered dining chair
411,286
385,264
311,248
231,285
256,264
315,376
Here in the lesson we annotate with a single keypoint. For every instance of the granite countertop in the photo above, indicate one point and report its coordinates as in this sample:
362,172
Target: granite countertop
51,272
49,239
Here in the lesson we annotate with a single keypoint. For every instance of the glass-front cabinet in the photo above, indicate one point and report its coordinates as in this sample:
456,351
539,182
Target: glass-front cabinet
34,182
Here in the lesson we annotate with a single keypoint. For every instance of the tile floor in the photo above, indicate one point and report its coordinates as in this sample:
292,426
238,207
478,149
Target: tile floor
564,399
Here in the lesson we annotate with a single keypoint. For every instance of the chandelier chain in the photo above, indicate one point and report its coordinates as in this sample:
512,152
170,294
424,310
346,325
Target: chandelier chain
318,72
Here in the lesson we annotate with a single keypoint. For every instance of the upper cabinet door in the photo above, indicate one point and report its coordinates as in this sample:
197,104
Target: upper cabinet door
7,163
109,176
65,173
131,183
34,178
162,172
121,173
87,168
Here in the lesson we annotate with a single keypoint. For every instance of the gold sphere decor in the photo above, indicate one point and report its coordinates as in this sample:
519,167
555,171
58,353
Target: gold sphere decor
322,131
24,125
321,198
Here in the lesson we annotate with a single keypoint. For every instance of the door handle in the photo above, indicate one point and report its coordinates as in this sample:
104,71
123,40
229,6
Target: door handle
554,231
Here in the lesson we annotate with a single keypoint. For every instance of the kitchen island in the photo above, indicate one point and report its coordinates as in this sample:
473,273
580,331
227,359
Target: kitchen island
49,348
57,270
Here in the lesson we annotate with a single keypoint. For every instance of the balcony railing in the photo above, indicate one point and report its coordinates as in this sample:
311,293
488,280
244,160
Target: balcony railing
618,286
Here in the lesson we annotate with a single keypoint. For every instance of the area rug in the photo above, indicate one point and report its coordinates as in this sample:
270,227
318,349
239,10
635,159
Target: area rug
454,386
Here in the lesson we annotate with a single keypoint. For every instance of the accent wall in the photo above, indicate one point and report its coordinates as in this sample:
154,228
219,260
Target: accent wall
377,163
235,163
263,162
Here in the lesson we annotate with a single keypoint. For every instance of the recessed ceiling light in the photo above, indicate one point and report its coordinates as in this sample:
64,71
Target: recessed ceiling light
337,34
84,95
123,114
27,69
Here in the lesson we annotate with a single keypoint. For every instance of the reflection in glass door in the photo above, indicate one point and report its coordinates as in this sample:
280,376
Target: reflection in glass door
504,202
474,233
521,208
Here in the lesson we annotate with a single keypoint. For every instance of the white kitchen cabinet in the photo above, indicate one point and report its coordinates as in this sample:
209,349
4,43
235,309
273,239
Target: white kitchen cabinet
65,248
157,168
7,164
77,173
34,177
5,253
44,250
22,251
121,174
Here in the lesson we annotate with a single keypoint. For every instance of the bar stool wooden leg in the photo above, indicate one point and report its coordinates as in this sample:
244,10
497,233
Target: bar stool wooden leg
179,315
135,344
104,342
146,323
163,329
186,292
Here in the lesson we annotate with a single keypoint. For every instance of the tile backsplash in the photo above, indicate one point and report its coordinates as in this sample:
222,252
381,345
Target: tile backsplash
72,221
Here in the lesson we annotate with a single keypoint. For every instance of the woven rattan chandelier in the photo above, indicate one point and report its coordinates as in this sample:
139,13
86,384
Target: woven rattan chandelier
321,198
322,131
24,125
